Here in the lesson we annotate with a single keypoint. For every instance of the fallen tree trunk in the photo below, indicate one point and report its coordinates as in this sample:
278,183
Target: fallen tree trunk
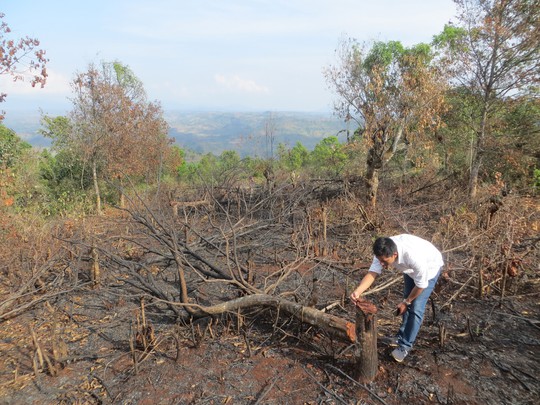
332,324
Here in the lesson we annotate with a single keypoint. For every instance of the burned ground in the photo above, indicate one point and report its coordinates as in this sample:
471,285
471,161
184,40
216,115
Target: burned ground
121,337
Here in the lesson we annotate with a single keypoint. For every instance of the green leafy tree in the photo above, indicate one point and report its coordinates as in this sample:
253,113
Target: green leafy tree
295,158
514,148
64,172
454,138
17,178
12,147
59,129
328,157
202,172
229,160
66,183
493,50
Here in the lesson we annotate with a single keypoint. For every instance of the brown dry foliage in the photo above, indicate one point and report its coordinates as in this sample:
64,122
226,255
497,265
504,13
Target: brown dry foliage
19,58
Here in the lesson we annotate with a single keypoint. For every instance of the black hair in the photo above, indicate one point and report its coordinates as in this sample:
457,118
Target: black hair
384,247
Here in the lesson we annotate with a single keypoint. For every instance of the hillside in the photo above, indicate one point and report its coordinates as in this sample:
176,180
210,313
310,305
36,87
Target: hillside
214,132
93,311
245,132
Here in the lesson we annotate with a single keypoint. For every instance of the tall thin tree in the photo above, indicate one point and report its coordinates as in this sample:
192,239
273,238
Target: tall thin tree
493,50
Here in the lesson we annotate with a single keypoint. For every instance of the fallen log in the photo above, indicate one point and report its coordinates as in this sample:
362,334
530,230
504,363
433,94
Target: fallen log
332,324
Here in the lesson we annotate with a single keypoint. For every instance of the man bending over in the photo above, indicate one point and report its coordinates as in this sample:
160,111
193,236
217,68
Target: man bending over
421,263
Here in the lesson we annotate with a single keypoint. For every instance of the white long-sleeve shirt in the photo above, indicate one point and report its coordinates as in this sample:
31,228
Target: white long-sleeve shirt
417,258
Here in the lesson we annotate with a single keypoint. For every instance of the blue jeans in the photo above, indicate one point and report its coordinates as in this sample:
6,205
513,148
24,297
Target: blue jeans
413,317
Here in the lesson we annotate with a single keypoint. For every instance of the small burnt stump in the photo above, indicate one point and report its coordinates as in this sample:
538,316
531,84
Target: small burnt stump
366,344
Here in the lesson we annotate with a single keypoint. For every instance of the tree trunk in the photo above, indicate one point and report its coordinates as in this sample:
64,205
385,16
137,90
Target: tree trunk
378,156
184,298
366,346
478,154
475,169
95,272
372,178
96,187
122,201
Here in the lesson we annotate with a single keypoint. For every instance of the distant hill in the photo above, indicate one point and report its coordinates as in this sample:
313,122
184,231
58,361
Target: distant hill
26,125
215,132
246,132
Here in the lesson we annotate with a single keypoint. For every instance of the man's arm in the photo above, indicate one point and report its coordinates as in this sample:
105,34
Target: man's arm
369,278
416,291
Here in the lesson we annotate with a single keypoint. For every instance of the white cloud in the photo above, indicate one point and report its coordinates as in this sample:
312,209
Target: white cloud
237,83
57,84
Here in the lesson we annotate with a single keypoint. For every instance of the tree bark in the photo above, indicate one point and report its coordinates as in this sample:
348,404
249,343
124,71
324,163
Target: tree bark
379,155
122,202
475,166
478,152
95,272
366,346
96,187
372,178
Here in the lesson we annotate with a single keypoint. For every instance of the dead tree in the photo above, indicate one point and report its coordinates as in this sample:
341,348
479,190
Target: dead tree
366,346
208,276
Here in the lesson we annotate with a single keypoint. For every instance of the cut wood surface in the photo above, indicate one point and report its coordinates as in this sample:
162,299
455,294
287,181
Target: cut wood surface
366,331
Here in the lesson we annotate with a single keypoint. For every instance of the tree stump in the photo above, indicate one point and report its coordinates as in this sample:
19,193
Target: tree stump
366,342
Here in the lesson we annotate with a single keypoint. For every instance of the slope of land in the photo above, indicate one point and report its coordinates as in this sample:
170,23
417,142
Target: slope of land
123,339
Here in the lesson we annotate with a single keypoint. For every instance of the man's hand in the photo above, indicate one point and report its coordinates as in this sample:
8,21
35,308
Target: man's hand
401,308
356,297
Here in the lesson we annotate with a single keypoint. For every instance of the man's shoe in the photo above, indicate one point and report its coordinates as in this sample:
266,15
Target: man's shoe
392,341
399,354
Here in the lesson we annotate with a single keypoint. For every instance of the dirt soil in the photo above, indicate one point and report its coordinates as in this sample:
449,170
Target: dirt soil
490,355
100,345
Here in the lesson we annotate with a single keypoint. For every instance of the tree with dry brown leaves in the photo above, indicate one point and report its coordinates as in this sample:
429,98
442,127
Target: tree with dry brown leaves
394,93
117,131
21,58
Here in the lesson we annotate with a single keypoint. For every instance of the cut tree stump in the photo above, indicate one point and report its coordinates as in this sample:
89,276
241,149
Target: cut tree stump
366,342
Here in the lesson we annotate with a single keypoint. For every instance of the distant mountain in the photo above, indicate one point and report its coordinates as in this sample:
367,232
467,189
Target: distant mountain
26,125
248,133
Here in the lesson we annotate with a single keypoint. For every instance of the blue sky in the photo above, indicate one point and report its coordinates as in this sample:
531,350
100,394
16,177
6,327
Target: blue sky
210,54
